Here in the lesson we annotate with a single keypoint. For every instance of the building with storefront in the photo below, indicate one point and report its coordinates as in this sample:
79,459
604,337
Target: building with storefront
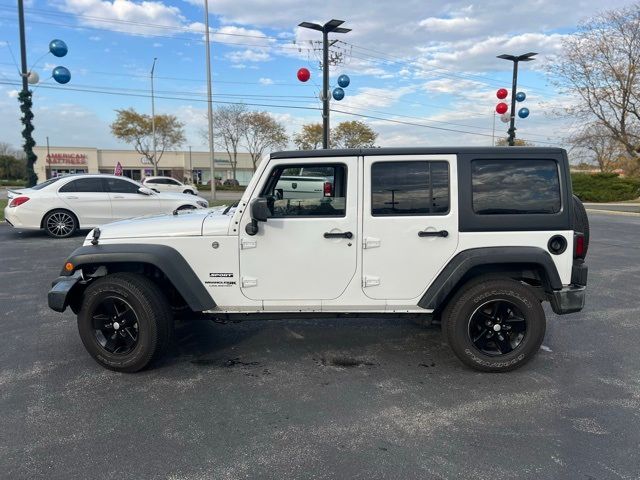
181,165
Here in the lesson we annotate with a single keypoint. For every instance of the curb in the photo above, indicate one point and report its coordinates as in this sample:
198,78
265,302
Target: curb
614,212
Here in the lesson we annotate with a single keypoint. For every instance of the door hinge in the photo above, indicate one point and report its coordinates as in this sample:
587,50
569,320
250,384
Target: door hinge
370,242
249,282
246,244
369,281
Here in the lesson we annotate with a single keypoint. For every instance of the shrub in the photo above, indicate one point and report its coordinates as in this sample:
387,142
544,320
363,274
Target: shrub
604,187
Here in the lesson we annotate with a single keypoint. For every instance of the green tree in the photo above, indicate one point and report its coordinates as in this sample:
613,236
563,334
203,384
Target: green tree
309,138
353,134
12,168
136,129
262,132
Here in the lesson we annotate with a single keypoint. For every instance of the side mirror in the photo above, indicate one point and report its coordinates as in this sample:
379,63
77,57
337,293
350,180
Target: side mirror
145,191
259,213
260,210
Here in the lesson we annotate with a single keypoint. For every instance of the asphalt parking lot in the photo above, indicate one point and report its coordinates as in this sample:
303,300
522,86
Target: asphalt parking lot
316,399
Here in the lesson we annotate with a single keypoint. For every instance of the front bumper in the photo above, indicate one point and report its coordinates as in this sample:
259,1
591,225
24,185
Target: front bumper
58,296
568,300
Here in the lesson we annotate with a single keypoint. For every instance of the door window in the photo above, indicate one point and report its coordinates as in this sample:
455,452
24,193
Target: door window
409,188
83,185
292,192
115,185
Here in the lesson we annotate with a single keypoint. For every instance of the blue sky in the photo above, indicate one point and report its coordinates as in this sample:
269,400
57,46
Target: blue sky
421,68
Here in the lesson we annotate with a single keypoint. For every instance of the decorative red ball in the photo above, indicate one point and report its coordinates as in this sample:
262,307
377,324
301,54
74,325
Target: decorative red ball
304,74
502,108
502,93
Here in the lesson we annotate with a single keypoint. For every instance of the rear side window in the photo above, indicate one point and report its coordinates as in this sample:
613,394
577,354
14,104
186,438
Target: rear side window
86,185
409,188
515,187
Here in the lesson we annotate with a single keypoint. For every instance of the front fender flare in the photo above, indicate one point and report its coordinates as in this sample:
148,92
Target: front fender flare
167,259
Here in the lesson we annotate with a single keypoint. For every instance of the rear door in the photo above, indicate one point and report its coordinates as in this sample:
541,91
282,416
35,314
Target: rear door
410,223
89,201
127,201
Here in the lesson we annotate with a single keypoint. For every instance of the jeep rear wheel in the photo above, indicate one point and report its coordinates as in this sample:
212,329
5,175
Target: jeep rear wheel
494,325
124,322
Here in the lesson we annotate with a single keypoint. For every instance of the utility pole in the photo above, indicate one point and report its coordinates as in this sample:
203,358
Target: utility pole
527,57
330,26
209,101
190,166
153,120
48,160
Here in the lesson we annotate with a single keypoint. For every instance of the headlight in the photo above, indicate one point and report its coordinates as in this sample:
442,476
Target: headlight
203,204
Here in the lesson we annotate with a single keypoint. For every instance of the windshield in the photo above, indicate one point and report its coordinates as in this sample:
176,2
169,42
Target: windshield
45,184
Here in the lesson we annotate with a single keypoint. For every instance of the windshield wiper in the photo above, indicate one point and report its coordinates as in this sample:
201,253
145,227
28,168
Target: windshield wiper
226,210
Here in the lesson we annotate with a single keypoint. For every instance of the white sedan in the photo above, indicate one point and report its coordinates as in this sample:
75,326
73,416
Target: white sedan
63,205
168,184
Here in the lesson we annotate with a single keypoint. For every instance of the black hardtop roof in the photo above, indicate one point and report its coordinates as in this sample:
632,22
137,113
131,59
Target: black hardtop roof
352,152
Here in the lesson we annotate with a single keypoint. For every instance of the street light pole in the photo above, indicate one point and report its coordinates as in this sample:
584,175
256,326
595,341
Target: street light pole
527,57
153,120
330,26
209,101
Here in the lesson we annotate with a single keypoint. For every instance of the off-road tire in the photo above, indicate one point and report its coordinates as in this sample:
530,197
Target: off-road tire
457,315
581,221
154,319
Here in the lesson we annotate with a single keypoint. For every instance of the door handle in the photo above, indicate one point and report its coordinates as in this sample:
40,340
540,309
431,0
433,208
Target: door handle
118,196
71,198
338,235
441,233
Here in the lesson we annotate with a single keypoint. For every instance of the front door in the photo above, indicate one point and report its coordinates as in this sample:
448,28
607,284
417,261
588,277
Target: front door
307,249
410,223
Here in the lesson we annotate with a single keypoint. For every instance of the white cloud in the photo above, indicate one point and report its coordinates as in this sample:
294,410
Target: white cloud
265,81
157,45
13,93
95,38
248,55
436,24
127,15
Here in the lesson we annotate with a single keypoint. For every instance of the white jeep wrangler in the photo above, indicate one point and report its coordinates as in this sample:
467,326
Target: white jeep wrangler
477,238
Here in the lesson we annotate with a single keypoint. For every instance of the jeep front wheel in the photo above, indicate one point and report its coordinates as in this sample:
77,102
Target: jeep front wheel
124,321
495,325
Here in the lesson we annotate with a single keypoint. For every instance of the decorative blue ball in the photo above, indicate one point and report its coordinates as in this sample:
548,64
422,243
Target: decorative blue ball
344,81
521,96
61,75
523,112
58,48
338,93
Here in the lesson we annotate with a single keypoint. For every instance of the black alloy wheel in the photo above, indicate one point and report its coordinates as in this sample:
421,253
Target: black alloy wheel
497,327
115,326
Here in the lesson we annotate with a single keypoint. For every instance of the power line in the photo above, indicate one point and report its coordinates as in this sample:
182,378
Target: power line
269,105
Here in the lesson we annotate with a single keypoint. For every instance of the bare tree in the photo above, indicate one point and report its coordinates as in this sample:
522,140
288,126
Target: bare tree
262,133
229,128
597,143
600,64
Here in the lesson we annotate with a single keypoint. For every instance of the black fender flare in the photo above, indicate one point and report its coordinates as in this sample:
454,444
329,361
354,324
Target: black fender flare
463,262
167,259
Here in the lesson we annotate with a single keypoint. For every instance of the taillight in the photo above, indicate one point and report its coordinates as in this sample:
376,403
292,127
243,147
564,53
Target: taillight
578,246
17,201
328,191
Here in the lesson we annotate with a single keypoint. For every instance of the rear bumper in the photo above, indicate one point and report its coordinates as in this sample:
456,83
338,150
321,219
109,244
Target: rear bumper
58,296
570,299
